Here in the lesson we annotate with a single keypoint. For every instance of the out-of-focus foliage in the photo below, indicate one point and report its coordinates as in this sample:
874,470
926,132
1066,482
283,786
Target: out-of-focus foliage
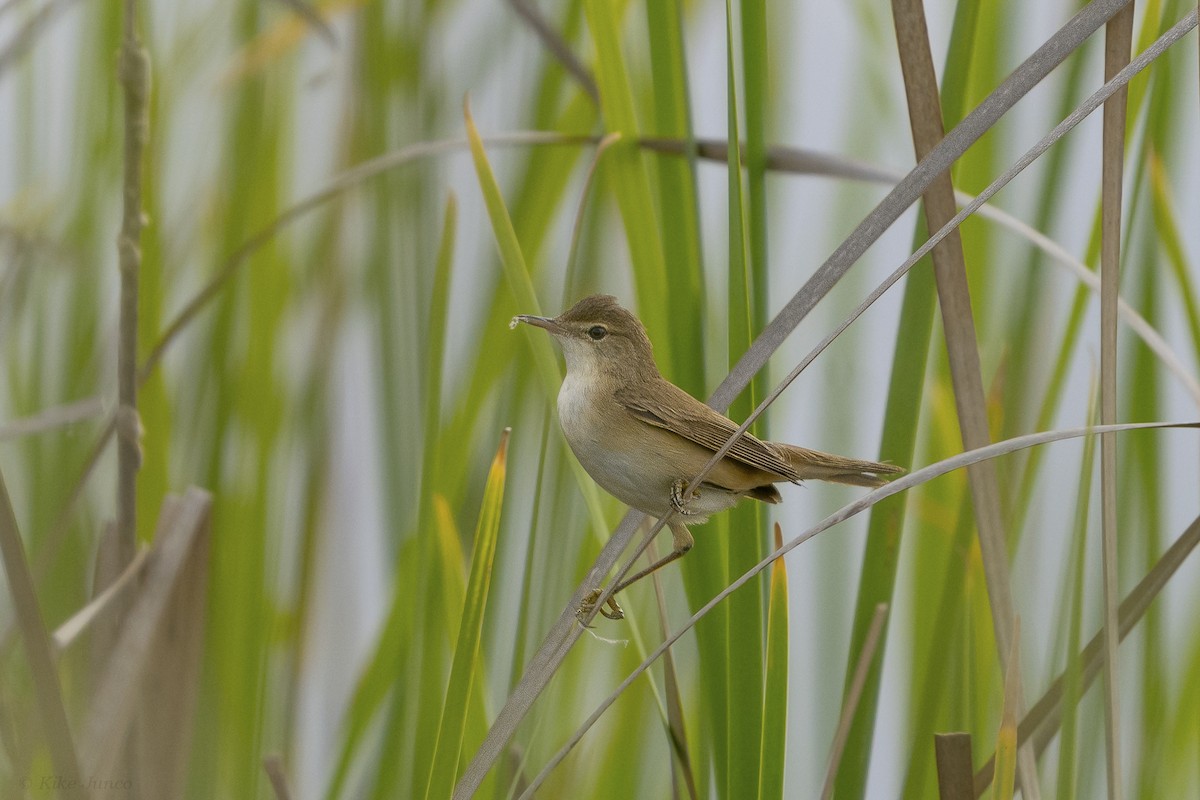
342,386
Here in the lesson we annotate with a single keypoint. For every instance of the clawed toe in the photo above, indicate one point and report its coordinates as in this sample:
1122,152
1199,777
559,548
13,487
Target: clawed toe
613,611
678,501
610,609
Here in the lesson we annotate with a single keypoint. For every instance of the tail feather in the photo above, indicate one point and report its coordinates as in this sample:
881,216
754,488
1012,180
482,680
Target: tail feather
813,464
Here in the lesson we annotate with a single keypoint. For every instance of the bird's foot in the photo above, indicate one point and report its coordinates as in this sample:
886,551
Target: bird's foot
610,608
678,501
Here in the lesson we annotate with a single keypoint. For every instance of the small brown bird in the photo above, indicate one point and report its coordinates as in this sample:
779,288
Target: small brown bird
642,438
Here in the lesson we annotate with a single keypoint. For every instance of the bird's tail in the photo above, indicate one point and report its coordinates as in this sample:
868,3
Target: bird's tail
815,465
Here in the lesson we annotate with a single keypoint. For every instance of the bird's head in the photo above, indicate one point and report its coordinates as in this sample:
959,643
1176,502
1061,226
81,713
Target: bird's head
597,334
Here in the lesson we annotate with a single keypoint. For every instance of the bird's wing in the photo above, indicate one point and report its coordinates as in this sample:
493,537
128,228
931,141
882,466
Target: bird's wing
667,406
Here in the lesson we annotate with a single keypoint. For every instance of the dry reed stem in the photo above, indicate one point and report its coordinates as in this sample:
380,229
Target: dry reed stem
1117,43
67,633
962,347
850,705
557,46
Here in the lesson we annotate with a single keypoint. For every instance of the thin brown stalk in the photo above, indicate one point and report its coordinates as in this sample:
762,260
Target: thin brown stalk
557,46
67,633
1117,43
1041,724
676,729
37,642
134,75
850,706
953,754
962,347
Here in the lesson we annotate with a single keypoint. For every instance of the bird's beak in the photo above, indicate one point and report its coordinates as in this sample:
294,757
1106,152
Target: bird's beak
539,322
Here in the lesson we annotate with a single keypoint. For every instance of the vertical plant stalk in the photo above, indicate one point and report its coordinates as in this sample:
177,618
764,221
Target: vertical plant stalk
1118,39
874,633
954,298
955,777
1067,747
134,74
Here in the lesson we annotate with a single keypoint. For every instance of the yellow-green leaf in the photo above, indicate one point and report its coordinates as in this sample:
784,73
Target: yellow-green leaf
470,631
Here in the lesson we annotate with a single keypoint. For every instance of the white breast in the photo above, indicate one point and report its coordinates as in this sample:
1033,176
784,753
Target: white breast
630,464
582,422
572,401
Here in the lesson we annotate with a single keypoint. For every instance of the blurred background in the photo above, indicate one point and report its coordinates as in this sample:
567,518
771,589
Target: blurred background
341,385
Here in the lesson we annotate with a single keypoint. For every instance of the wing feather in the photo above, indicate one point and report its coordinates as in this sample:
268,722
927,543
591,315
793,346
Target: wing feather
669,407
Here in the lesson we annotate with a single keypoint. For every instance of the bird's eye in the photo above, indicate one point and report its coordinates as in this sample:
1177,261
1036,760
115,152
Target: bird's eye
597,332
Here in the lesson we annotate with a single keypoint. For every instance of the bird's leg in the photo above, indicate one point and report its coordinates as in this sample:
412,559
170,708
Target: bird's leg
683,542
678,501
